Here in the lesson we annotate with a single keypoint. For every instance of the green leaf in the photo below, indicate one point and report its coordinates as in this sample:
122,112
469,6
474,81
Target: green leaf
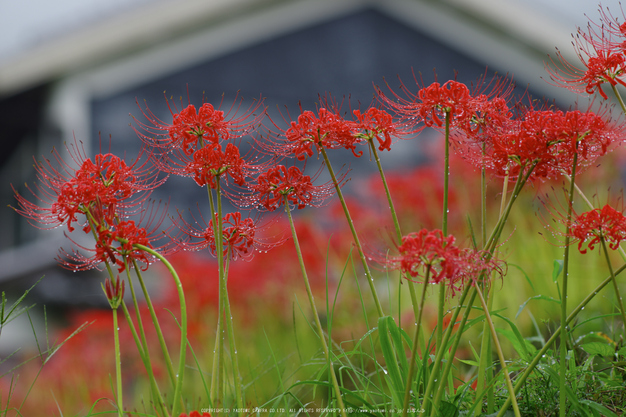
525,275
468,362
622,351
522,346
598,348
390,336
536,297
602,410
557,269
448,410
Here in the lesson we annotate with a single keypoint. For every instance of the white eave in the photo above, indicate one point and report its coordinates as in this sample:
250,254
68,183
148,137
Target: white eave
167,35
111,38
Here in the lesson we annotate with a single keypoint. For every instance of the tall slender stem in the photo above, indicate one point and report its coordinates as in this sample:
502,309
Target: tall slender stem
615,287
368,273
494,337
118,364
396,223
444,228
177,399
145,358
217,350
484,371
222,290
490,247
455,344
155,322
563,345
446,337
230,329
409,380
619,98
316,318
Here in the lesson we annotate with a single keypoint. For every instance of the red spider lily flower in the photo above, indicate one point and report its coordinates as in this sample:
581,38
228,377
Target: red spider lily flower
606,223
191,130
206,125
431,250
271,187
115,242
304,137
239,236
489,108
327,129
211,162
376,124
601,67
601,53
107,185
431,104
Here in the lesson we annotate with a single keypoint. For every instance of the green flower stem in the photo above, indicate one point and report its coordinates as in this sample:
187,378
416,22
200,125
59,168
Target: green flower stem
145,358
118,364
531,366
439,355
177,399
444,229
318,324
619,98
483,201
446,175
155,322
455,344
396,223
142,345
409,380
617,293
230,328
218,361
490,247
522,178
494,337
485,343
563,343
368,273
225,316
484,373
216,369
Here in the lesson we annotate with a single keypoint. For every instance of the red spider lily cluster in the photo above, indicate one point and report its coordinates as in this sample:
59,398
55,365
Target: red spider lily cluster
328,129
108,198
508,138
549,139
100,195
430,253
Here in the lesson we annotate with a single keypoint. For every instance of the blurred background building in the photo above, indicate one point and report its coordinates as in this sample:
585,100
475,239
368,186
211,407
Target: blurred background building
76,69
